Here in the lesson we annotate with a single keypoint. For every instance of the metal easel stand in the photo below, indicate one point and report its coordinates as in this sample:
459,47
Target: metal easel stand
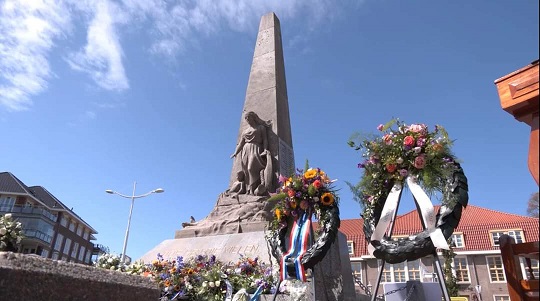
436,261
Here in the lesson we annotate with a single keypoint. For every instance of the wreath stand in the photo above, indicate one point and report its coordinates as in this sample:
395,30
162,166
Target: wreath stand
436,261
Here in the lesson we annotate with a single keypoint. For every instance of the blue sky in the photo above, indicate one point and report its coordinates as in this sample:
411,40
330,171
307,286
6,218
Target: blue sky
95,95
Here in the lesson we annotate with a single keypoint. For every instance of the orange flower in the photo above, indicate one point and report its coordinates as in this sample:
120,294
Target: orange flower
437,147
391,167
167,283
292,204
278,214
291,193
327,199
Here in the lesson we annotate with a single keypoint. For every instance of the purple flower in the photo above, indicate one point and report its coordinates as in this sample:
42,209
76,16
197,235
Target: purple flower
361,165
403,172
380,127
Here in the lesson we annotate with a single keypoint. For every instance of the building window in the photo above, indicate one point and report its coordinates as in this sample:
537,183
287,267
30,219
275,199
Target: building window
501,298
44,253
86,234
350,247
75,249
401,272
58,244
356,267
413,269
72,226
67,245
80,230
525,268
81,253
54,255
64,221
87,256
495,267
457,239
461,269
6,203
516,234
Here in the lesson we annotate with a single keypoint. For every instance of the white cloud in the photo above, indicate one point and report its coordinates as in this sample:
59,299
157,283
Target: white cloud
27,30
101,58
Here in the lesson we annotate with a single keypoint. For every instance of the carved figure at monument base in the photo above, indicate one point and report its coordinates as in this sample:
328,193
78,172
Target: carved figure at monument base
255,155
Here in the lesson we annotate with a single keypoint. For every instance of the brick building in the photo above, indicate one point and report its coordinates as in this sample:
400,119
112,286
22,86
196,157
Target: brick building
478,259
51,229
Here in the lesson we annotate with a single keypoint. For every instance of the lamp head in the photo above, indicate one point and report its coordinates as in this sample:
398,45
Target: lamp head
159,190
109,191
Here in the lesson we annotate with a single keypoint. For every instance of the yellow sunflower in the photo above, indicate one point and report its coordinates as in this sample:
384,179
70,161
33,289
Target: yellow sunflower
310,174
327,199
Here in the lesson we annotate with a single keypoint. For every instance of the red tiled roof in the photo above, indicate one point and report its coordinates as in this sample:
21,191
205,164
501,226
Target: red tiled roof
475,224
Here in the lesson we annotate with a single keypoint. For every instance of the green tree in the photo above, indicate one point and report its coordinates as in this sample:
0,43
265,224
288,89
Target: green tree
449,278
532,205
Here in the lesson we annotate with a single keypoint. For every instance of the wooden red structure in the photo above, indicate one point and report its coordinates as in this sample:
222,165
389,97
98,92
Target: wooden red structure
518,92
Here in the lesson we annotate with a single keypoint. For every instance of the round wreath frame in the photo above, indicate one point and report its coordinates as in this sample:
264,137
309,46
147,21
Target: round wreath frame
328,230
420,245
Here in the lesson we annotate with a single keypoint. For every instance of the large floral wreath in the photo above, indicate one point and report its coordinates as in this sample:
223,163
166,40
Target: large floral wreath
299,197
410,156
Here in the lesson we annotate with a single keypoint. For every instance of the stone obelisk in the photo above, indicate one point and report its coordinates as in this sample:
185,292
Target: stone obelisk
266,94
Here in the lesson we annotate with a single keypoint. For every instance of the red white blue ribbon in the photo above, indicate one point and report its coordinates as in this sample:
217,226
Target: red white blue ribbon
299,242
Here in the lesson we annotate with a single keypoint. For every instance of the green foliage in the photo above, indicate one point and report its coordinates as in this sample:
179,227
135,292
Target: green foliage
449,278
400,152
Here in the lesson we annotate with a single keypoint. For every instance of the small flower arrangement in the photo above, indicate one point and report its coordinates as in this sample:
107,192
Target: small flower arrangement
402,151
109,261
205,278
10,233
306,191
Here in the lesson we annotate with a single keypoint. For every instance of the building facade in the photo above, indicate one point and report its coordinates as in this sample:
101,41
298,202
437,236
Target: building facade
51,229
477,265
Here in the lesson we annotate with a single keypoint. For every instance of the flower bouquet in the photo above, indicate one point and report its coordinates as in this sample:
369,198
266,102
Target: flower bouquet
10,233
301,196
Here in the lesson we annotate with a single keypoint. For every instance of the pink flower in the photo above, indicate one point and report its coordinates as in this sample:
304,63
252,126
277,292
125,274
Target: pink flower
421,141
380,127
420,162
418,128
317,184
387,139
409,141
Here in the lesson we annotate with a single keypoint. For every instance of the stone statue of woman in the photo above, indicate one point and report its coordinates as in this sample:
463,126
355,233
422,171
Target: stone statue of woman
255,157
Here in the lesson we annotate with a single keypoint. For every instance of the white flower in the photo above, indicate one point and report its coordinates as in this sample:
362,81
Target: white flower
3,231
7,216
399,160
218,282
204,284
211,284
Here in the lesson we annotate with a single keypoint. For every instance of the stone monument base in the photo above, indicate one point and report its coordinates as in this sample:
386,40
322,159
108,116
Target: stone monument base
332,277
30,277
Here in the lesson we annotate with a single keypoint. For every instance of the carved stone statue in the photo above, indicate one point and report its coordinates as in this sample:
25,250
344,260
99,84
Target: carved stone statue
255,156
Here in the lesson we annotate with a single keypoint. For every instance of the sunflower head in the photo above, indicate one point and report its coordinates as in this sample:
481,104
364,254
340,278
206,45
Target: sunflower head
310,174
327,199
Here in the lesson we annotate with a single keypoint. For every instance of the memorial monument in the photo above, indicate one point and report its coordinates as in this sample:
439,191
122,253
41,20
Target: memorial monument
264,150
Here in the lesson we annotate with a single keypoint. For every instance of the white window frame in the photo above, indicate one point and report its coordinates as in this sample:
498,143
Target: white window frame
458,243
499,295
535,265
495,234
454,270
350,247
489,269
390,268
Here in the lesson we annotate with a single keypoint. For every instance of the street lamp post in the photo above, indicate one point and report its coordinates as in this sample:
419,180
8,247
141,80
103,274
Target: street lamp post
132,197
